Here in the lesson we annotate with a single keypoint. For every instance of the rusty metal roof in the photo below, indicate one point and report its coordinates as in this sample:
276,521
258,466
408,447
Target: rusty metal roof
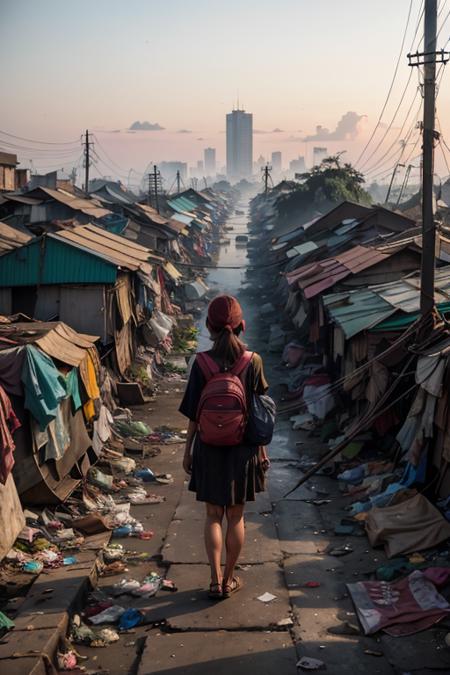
111,247
89,207
316,277
11,238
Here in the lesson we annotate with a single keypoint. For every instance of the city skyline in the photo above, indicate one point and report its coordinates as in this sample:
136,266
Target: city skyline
306,100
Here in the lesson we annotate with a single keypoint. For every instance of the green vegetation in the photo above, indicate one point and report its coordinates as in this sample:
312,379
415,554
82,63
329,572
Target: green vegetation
324,187
185,339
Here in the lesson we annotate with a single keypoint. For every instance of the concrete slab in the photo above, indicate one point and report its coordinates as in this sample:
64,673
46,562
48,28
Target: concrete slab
190,608
221,653
422,650
318,609
283,445
184,543
283,476
299,526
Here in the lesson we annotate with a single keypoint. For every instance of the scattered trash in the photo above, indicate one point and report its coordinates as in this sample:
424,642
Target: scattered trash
308,663
372,652
130,618
266,597
285,622
110,615
311,584
338,551
67,660
5,624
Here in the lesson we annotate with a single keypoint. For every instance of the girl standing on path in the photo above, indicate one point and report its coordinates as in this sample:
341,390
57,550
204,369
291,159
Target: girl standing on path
224,477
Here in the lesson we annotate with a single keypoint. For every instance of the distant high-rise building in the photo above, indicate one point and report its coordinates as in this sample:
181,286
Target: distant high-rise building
209,158
200,166
297,166
276,162
169,170
319,154
239,144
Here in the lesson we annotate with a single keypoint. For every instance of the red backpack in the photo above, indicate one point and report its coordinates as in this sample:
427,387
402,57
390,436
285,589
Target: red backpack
222,410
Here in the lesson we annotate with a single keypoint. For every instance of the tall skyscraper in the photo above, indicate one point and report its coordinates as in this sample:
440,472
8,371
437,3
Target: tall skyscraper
297,166
318,155
239,144
209,158
276,162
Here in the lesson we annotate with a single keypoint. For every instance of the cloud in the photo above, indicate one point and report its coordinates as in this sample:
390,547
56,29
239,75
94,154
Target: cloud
146,126
184,131
347,129
277,131
200,139
259,131
293,139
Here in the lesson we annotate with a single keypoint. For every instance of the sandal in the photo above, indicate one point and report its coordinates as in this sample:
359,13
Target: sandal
233,586
215,591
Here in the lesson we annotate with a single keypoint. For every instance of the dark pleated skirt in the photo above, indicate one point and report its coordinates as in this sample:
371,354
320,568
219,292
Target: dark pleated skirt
225,476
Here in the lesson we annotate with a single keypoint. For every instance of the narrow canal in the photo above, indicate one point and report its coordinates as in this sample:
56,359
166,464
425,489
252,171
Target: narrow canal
222,279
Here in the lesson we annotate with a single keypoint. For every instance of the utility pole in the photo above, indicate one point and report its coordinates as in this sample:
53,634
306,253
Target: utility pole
396,167
405,183
428,59
178,182
154,188
266,177
87,163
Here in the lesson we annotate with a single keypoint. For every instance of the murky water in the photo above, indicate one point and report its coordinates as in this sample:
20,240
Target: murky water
228,281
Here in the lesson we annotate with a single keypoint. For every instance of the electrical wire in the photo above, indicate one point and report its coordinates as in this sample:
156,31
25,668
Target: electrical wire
30,140
391,86
381,159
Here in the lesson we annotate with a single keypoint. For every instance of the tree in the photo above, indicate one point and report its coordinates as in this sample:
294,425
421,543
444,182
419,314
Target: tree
322,188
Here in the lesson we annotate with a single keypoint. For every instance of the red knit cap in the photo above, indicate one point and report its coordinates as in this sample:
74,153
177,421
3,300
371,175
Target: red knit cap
224,312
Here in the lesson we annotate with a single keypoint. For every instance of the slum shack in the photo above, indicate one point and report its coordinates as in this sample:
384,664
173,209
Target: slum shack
50,375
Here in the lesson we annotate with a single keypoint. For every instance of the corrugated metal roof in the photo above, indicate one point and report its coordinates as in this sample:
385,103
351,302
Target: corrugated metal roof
183,218
111,247
87,206
11,238
21,199
405,293
360,258
357,310
316,277
302,249
153,214
49,260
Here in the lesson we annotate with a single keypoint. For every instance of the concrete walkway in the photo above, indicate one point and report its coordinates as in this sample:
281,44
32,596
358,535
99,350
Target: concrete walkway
284,550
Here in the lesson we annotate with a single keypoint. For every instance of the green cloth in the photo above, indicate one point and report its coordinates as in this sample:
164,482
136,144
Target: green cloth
44,385
73,389
5,623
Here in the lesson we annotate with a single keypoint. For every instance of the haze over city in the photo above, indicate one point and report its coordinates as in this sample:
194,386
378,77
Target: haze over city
180,67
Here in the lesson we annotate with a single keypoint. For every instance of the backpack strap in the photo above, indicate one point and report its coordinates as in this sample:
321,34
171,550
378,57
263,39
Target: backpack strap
241,364
207,365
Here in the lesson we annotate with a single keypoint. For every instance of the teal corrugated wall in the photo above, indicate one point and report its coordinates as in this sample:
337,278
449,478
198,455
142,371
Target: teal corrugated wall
47,261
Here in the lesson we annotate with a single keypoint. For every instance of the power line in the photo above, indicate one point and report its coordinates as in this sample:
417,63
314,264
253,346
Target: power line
380,160
31,140
392,81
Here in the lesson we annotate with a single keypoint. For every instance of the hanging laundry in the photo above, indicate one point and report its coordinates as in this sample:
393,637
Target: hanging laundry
73,389
89,379
44,386
8,424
